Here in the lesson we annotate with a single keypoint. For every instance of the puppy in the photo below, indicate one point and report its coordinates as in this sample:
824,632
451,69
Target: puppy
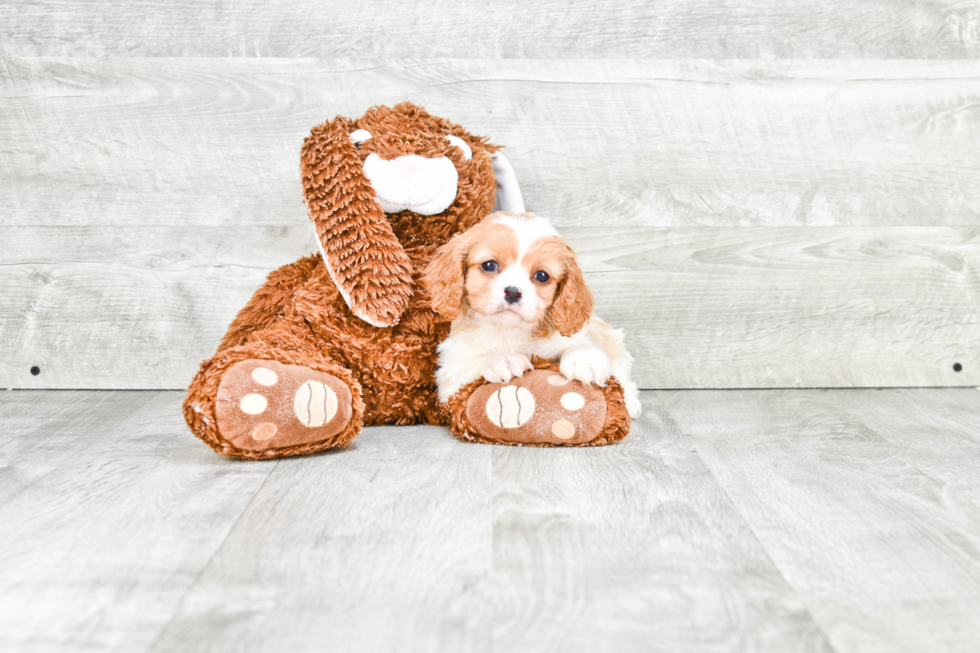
515,290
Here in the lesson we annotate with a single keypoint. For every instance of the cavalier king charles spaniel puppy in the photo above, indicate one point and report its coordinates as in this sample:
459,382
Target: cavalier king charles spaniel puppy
515,290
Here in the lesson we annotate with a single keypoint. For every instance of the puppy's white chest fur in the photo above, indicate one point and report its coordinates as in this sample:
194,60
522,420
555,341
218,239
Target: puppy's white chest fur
466,353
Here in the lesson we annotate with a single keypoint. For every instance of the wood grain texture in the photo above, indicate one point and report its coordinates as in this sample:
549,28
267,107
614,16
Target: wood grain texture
414,541
834,307
131,307
110,510
631,547
801,520
867,502
383,546
140,307
715,29
630,142
144,201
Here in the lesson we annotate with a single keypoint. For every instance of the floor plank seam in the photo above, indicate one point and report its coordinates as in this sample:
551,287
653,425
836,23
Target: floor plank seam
809,613
197,578
40,479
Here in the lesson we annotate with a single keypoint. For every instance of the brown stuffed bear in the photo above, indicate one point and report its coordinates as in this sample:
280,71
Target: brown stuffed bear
347,337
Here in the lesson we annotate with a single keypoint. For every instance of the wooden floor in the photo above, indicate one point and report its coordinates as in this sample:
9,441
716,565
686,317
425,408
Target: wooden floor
768,520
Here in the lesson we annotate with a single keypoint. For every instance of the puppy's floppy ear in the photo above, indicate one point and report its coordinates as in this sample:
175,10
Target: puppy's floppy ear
572,307
444,277
362,254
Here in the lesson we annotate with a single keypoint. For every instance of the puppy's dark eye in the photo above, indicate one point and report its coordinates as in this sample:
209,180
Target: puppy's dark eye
541,276
490,266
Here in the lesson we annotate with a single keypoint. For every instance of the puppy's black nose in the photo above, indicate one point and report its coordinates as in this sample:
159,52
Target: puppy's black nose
512,294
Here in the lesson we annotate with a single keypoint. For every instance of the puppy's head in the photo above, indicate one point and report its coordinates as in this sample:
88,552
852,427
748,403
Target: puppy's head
510,270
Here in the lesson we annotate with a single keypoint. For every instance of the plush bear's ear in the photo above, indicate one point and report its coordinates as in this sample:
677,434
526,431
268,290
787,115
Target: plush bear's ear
362,254
572,307
444,277
508,197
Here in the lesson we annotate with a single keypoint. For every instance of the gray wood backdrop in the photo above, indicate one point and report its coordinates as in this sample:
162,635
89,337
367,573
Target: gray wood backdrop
764,194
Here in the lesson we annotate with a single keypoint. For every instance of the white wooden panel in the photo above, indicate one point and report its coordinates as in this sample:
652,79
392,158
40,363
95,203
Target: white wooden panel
127,307
712,29
791,307
216,142
140,307
110,509
866,501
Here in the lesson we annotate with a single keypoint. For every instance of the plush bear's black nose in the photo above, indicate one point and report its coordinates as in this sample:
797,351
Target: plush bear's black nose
512,294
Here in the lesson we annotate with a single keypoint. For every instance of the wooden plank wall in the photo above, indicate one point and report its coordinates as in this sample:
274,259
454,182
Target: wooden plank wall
764,195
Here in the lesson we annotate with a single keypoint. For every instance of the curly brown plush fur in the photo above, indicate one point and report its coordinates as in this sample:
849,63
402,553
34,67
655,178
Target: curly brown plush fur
356,312
299,315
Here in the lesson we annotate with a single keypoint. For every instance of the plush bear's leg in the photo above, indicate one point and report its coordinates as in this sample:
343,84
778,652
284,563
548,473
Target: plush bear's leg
261,401
541,409
269,391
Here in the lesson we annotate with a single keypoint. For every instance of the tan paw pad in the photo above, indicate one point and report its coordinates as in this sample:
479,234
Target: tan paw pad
264,376
563,429
253,404
265,431
572,401
264,404
540,407
315,404
510,407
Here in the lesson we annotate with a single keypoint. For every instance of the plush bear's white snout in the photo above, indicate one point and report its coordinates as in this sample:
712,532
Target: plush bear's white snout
412,183
409,167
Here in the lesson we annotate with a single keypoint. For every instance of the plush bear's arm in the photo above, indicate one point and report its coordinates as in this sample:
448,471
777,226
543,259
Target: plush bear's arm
362,254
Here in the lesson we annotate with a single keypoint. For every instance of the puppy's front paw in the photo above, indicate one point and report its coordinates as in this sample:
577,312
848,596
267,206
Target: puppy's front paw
502,368
587,366
632,396
633,406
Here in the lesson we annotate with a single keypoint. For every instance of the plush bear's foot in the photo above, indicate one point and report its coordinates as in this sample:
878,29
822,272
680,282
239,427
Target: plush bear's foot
265,404
540,408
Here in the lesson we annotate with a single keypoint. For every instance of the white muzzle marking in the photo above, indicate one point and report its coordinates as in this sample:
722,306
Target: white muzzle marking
412,183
